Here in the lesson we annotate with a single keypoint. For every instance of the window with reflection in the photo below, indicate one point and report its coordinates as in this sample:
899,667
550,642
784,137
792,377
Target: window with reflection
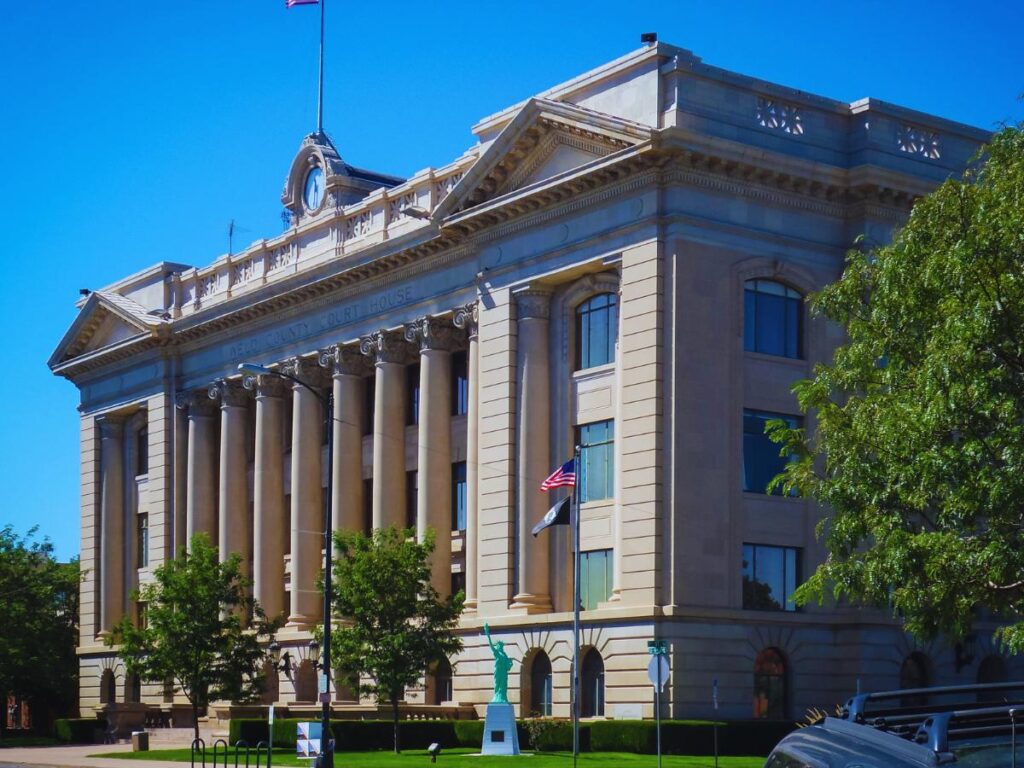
770,576
460,384
142,540
142,451
772,319
460,497
761,459
597,460
592,684
540,685
597,330
412,394
770,685
595,578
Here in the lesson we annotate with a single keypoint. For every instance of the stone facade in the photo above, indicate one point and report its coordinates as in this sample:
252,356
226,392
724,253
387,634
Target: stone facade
657,180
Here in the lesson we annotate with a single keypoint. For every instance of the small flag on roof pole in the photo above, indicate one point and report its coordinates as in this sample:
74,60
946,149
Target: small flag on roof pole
563,477
557,515
293,3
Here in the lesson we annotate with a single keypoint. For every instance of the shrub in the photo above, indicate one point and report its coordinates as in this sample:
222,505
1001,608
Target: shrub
81,730
688,737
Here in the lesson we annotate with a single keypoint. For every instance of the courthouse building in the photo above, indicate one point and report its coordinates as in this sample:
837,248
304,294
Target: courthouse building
619,262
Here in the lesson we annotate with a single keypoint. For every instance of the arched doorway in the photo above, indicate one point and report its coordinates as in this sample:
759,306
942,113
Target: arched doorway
439,683
271,684
592,684
537,686
108,687
770,694
915,673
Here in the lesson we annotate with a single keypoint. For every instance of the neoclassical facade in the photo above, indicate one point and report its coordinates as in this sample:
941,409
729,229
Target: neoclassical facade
618,263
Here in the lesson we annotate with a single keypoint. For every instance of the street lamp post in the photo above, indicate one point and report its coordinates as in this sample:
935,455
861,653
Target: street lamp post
326,757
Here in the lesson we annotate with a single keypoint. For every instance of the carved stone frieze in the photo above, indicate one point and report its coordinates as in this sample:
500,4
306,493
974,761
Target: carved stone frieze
533,303
385,346
430,333
467,318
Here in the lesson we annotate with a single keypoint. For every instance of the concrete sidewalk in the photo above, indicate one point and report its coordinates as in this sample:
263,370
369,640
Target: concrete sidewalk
75,757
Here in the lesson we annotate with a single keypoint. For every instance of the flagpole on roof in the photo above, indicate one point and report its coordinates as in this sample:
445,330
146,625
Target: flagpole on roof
576,608
320,94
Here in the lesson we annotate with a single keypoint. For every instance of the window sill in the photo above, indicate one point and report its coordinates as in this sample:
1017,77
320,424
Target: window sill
792,362
771,497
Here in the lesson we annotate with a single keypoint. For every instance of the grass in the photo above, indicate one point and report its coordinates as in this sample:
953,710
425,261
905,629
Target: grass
462,758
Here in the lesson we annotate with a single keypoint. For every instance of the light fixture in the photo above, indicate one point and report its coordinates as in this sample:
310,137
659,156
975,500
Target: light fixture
434,750
282,662
415,212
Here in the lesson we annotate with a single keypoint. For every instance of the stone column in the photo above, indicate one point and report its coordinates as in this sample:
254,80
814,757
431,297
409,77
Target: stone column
307,494
467,319
533,454
232,499
201,493
112,543
434,463
268,494
389,353
347,368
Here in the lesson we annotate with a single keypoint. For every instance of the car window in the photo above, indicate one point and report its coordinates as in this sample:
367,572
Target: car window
782,760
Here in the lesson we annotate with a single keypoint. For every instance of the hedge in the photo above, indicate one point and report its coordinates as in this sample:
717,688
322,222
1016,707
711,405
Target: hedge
688,737
678,737
78,730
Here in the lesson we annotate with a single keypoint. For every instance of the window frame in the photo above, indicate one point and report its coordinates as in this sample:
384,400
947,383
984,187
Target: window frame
587,603
792,303
583,315
794,421
460,511
775,708
608,448
787,605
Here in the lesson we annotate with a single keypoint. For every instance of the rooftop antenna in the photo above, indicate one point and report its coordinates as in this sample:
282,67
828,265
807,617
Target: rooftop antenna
232,228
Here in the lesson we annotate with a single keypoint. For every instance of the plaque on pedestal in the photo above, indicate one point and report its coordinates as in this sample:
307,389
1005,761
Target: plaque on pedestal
500,735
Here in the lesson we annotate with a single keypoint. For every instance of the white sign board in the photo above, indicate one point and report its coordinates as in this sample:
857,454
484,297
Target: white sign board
657,671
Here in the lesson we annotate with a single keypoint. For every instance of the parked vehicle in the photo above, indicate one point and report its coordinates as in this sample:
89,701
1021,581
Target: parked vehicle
966,726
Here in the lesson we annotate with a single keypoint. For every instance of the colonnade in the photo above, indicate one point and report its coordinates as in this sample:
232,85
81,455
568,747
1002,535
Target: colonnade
215,448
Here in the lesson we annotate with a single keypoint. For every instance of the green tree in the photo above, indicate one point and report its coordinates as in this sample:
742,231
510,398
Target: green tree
40,623
918,453
194,636
393,623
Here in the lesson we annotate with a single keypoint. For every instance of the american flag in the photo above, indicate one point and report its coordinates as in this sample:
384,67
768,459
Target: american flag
293,3
563,477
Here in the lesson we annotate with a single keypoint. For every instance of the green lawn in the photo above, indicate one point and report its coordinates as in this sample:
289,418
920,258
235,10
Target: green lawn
461,758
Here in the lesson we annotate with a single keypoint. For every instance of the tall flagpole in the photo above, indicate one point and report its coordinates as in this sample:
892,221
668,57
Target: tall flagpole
576,611
320,96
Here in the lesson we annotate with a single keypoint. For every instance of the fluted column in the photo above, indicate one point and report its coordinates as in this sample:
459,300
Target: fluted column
268,494
307,494
434,463
467,319
389,353
112,544
347,366
232,498
201,491
532,436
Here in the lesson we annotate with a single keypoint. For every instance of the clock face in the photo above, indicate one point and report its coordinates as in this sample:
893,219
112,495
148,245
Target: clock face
313,195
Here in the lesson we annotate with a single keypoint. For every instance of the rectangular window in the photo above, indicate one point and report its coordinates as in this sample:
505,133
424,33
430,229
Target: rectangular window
142,451
595,578
597,460
770,576
369,395
458,583
761,459
460,384
142,617
772,319
460,497
143,540
411,500
412,395
368,505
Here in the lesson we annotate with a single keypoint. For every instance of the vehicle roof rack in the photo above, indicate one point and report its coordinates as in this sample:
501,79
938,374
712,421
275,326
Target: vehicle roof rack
856,707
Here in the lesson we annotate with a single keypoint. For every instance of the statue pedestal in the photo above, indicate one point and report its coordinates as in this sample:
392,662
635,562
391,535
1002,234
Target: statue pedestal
500,735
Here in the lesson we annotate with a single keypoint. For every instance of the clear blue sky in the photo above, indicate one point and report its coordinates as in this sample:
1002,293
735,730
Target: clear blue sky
133,131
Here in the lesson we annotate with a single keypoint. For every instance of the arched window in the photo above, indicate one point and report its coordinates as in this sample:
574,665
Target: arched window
992,670
770,685
442,688
597,330
914,674
592,683
772,319
540,685
108,687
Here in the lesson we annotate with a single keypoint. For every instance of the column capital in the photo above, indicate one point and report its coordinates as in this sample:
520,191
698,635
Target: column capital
305,368
385,346
467,318
264,385
111,426
429,333
533,303
195,402
343,360
232,394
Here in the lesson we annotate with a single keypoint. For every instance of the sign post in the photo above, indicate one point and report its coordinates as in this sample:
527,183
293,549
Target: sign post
270,736
657,671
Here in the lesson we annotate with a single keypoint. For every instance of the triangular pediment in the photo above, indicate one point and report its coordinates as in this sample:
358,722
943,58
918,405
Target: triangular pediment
105,321
544,141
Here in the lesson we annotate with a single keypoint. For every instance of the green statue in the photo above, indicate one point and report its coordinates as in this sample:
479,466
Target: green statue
502,664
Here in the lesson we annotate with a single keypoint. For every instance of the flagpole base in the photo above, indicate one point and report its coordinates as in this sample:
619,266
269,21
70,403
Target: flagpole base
525,604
